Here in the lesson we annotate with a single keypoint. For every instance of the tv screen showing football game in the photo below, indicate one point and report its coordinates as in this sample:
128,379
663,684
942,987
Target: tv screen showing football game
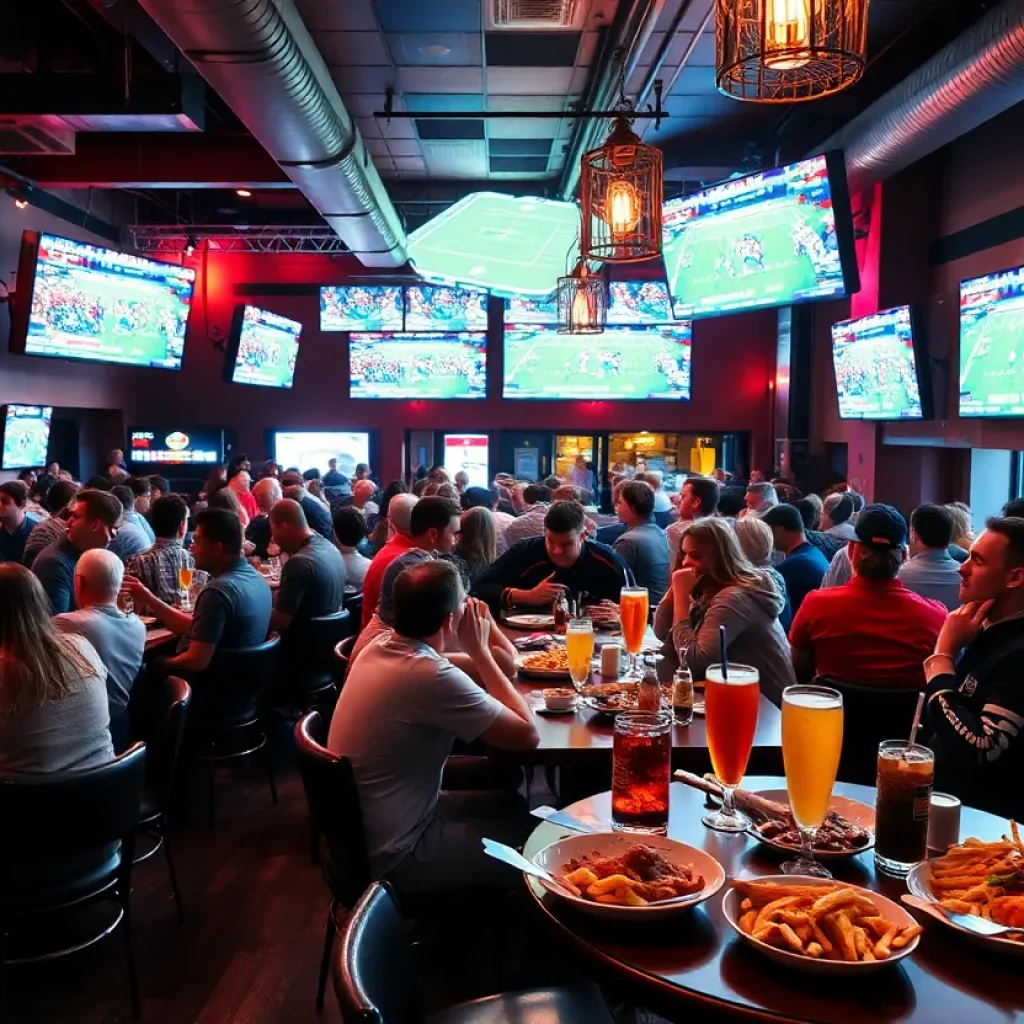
991,360
98,304
622,363
437,308
313,449
638,302
26,436
427,365
521,310
876,367
267,348
175,447
770,239
358,307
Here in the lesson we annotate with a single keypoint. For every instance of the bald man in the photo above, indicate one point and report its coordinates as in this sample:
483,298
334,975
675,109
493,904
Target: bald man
313,578
119,639
267,493
362,493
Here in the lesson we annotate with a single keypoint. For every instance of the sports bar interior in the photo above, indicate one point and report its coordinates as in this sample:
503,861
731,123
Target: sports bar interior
491,463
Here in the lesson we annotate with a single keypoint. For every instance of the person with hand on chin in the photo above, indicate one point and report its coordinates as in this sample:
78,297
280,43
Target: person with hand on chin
975,681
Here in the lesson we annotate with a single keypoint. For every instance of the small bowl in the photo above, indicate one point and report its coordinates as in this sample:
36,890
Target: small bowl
559,699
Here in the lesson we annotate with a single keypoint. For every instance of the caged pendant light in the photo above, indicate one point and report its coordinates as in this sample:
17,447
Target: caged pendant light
582,301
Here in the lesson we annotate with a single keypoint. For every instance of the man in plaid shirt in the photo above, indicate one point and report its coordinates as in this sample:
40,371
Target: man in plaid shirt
158,567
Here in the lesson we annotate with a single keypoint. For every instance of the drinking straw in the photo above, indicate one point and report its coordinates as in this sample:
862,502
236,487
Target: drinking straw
917,721
725,661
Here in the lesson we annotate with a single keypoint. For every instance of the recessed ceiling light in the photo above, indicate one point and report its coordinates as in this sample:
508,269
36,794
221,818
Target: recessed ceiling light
243,192
435,50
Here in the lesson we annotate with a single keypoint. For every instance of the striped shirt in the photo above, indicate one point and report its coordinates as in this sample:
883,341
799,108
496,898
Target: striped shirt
158,568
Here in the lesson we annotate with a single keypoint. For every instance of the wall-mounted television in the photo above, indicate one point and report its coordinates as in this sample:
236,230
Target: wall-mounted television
439,308
313,449
623,363
175,446
263,348
426,365
519,309
90,303
991,353
26,436
358,307
638,302
878,367
774,238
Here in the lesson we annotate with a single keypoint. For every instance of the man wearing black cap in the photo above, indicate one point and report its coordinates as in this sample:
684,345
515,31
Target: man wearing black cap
871,631
804,565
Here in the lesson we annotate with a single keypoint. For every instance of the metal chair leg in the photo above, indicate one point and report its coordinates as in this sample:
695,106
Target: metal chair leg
171,871
268,761
325,961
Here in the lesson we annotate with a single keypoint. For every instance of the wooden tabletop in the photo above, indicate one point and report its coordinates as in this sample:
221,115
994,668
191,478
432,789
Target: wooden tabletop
696,962
157,637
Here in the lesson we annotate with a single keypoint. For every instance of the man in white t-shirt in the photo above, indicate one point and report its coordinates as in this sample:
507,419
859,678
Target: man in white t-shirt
403,706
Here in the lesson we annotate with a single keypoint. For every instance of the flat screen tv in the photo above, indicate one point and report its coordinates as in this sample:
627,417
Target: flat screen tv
878,368
358,307
99,305
438,308
638,302
522,310
313,449
26,436
177,446
623,363
991,356
774,238
263,348
427,365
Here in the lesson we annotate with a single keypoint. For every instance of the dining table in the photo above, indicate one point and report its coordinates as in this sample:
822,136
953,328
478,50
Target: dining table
694,966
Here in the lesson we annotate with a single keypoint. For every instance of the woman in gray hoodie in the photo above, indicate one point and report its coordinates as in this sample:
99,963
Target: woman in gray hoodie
716,585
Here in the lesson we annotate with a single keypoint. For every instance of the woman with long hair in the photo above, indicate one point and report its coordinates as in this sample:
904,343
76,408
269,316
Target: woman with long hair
963,533
215,480
716,585
477,543
54,712
379,529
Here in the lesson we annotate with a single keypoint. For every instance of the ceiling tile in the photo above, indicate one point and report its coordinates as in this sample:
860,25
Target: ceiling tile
355,79
456,159
588,49
444,49
410,163
519,147
352,48
463,128
691,21
441,103
429,15
375,128
523,102
580,79
536,164
350,16
532,49
695,81
393,147
367,104
522,128
441,80
529,81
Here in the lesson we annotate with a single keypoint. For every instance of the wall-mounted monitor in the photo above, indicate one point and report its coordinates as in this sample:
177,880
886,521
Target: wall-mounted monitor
774,238
439,308
357,307
263,348
94,304
313,449
878,368
467,453
638,302
175,446
522,310
623,363
427,365
26,436
991,352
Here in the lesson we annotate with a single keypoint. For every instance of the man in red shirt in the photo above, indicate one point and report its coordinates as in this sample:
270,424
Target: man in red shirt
872,631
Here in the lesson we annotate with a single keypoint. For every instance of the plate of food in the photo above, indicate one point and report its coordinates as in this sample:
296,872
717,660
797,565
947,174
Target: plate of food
550,664
530,621
820,926
980,879
611,698
622,879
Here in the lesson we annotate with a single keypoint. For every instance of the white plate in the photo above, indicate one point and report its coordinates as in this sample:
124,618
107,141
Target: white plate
612,844
918,882
853,810
808,964
538,673
530,621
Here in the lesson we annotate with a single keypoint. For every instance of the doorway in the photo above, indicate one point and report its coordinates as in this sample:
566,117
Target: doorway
671,454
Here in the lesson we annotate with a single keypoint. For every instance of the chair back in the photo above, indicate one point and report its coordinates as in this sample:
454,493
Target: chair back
163,739
663,519
354,604
342,658
309,660
334,812
374,972
232,690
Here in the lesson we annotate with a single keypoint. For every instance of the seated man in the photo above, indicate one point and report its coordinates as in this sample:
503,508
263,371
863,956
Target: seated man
317,514
60,500
143,491
931,571
119,639
975,701
15,523
233,609
533,502
402,707
349,533
644,546
267,493
872,631
804,565
160,567
536,570
131,539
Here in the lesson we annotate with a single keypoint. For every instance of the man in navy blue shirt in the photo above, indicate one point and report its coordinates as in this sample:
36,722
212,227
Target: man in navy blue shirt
15,525
804,564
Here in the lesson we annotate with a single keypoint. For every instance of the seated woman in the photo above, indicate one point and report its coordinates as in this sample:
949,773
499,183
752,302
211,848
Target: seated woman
715,586
54,711
476,547
757,542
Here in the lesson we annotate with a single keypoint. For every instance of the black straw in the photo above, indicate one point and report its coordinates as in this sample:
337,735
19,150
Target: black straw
723,643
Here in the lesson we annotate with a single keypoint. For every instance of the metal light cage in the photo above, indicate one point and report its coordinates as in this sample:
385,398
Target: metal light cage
785,51
620,199
582,302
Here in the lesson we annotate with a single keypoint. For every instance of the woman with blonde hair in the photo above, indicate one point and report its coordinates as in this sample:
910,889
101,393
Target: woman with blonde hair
963,535
54,711
477,544
715,586
757,542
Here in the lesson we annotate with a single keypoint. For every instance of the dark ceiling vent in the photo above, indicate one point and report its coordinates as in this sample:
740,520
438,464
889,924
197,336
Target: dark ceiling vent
534,13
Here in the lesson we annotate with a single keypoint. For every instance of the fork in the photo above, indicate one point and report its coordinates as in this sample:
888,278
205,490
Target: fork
969,922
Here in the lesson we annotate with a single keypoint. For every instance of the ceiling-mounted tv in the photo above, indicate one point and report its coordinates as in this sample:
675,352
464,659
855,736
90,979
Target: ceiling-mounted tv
263,348
522,310
358,307
441,308
774,238
879,368
425,365
90,303
26,436
638,302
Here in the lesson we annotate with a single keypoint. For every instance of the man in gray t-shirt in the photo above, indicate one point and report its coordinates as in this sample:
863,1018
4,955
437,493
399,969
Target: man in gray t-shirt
402,707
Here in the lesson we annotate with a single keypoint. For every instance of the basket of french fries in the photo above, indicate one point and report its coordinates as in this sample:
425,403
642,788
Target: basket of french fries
819,926
631,877
985,879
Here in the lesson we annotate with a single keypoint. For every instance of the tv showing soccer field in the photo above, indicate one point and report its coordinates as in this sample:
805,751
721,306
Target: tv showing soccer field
775,238
264,348
437,308
100,305
426,365
358,307
991,356
522,310
313,449
175,446
623,363
26,436
876,366
638,302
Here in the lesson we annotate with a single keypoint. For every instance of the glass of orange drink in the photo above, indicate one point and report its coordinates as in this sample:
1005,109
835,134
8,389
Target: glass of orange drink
634,608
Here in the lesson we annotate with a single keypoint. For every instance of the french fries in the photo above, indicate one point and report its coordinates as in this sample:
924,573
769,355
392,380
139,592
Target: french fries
828,922
640,877
553,660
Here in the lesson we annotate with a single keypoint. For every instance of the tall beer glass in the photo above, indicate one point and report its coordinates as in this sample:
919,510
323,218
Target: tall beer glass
730,713
633,612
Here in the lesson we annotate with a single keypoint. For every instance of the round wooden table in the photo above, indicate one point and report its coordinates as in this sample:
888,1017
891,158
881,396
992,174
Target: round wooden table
695,964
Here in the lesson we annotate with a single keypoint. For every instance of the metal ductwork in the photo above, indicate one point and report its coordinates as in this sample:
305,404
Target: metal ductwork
262,61
977,76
